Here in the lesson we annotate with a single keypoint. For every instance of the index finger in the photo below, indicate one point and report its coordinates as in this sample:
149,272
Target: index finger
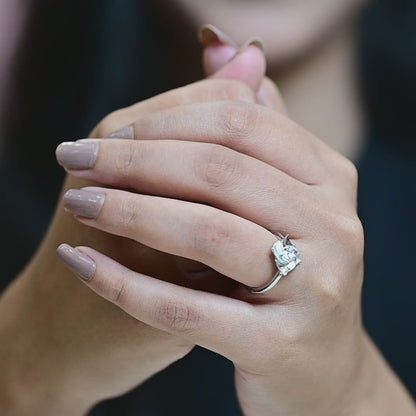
208,90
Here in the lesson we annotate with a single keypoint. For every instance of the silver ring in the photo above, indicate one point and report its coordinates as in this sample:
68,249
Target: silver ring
286,257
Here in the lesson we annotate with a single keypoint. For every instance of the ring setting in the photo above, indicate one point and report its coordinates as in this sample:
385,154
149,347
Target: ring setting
286,257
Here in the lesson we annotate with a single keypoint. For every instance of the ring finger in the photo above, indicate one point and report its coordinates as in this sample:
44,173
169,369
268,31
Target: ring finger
234,246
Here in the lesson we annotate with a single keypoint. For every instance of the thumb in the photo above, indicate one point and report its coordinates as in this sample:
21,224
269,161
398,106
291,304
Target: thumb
222,58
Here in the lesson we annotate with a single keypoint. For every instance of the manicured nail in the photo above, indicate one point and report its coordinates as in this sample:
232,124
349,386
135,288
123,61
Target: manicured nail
209,35
252,41
126,132
78,262
84,203
77,155
257,42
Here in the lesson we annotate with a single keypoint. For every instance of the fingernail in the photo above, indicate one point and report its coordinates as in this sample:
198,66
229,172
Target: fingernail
78,262
209,35
257,42
252,41
85,203
77,155
126,132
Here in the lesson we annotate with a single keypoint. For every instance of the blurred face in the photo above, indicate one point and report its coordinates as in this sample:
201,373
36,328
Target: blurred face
289,28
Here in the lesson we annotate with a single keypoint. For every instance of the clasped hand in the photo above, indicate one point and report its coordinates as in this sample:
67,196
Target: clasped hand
212,172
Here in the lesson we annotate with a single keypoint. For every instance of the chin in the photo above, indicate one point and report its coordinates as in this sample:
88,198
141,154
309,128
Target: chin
289,29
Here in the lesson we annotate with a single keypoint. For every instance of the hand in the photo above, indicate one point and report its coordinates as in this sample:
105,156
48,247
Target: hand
215,182
239,174
73,338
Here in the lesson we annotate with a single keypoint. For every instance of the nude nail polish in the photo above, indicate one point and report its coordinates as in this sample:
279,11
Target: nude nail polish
78,262
126,132
77,155
252,41
209,35
84,203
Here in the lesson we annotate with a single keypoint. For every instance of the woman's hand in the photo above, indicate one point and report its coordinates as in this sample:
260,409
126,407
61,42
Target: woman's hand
216,182
68,348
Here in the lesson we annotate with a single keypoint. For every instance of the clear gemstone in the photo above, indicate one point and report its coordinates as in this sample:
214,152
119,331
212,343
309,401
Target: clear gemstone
286,255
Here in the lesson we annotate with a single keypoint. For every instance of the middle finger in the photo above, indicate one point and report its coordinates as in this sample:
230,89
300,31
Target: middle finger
233,246
200,172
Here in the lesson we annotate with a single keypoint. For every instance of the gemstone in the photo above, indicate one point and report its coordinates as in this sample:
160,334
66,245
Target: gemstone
286,255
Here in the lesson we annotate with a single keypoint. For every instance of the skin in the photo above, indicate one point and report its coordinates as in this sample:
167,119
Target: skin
74,336
174,327
318,301
311,49
289,29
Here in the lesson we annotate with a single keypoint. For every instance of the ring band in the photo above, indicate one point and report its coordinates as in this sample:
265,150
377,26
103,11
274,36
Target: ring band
286,257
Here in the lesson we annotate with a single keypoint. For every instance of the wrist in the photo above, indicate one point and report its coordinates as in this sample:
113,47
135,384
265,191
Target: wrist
33,376
379,391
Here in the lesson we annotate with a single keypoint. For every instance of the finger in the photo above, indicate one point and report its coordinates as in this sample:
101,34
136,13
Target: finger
269,95
251,129
247,65
214,57
219,48
231,245
205,173
215,322
222,58
201,91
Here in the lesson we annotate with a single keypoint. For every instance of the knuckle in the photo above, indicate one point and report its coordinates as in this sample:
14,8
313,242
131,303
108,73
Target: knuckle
350,171
115,289
340,278
351,235
125,158
237,120
179,316
128,217
292,337
330,292
343,229
210,233
292,341
347,170
119,291
217,166
338,297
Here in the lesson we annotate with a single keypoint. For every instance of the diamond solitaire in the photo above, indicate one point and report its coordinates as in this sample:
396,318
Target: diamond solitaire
286,255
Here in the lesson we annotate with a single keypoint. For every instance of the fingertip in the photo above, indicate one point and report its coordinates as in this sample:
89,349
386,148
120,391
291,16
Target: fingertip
209,34
214,57
247,65
81,264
